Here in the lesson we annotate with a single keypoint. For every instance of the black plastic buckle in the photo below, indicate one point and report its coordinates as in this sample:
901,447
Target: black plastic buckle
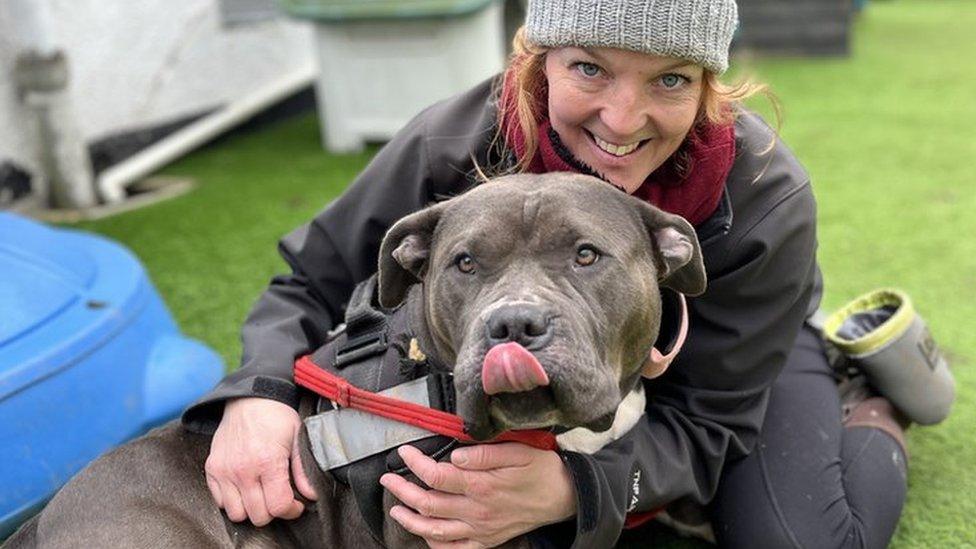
360,347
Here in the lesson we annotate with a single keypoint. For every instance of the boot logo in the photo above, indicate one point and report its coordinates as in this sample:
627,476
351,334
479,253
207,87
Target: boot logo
928,348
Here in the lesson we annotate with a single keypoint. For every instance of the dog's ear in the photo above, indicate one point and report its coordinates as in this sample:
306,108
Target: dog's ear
679,255
404,253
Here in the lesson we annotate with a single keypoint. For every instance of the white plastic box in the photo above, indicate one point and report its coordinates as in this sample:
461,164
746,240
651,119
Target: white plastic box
377,73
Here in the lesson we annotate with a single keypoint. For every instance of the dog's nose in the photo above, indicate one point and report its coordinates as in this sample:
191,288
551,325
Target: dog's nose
525,324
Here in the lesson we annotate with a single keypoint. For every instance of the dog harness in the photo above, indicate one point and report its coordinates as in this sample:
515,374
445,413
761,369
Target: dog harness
378,391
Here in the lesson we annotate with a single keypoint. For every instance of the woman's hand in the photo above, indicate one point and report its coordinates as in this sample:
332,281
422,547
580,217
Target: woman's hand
487,495
250,457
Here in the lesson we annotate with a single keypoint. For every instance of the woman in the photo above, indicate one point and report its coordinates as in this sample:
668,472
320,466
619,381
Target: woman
747,420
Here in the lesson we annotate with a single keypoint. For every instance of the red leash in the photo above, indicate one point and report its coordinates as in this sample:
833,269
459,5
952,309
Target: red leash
340,391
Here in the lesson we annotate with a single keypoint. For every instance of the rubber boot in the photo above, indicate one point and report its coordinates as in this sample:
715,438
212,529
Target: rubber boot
881,335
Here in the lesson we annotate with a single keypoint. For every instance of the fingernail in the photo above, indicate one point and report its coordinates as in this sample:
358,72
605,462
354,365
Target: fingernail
459,457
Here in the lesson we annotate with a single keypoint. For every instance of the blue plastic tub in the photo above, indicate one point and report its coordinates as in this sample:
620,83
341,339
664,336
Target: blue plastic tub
89,358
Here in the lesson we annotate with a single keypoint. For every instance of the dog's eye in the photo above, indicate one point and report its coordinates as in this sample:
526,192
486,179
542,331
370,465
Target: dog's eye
586,256
464,263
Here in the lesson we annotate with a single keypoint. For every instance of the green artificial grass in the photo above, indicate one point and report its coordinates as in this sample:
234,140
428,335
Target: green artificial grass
887,135
888,138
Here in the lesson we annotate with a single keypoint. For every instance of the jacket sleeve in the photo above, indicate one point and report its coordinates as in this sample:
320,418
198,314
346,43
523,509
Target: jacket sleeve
327,257
710,405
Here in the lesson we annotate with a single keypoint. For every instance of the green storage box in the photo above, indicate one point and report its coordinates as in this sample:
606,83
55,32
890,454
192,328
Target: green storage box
351,10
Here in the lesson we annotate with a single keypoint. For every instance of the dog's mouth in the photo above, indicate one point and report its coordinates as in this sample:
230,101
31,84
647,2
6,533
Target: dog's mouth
532,409
532,399
537,408
510,386
516,389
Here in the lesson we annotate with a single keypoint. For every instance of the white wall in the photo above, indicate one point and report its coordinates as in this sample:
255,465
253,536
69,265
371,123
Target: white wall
141,61
135,63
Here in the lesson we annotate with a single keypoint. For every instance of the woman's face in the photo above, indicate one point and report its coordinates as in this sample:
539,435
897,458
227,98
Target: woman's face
622,113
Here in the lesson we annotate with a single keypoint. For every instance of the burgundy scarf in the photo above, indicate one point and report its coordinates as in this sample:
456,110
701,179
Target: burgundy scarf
692,191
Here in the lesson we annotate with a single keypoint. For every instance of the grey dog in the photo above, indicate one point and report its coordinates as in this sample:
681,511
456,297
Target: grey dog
568,264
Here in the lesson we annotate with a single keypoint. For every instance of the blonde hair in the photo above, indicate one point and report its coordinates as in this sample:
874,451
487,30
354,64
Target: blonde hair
526,68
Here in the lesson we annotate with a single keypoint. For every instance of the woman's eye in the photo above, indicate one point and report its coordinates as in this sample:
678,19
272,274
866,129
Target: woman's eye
672,80
586,256
588,69
465,263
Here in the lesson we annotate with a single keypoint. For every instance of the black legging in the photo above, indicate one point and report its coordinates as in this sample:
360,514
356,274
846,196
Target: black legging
810,483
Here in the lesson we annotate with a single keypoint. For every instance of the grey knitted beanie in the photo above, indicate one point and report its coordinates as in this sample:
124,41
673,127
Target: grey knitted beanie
696,30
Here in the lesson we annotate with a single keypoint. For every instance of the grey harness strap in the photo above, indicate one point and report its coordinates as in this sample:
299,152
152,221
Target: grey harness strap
342,436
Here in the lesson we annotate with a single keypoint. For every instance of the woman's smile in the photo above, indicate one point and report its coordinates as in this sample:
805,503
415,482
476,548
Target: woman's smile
616,150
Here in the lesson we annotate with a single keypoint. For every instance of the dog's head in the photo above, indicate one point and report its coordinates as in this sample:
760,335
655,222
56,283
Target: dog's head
542,291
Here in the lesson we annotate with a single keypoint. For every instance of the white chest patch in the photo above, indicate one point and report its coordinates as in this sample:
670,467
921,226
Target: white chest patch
585,441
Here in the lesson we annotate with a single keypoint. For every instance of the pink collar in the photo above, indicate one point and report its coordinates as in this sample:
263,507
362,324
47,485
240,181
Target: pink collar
657,362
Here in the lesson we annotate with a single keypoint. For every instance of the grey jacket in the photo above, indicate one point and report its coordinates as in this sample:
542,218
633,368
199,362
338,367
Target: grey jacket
759,250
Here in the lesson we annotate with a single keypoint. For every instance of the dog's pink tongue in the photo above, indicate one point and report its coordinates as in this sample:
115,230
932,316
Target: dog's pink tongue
510,368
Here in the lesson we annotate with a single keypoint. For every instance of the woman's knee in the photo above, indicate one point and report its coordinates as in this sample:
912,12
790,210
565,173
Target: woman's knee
762,505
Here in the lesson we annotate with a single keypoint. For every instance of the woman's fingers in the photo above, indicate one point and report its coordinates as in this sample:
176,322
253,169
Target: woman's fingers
431,529
214,488
254,505
298,474
279,499
438,475
429,503
233,504
259,499
252,458
485,457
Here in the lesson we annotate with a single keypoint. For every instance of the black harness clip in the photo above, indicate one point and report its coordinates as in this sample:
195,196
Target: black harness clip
360,347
